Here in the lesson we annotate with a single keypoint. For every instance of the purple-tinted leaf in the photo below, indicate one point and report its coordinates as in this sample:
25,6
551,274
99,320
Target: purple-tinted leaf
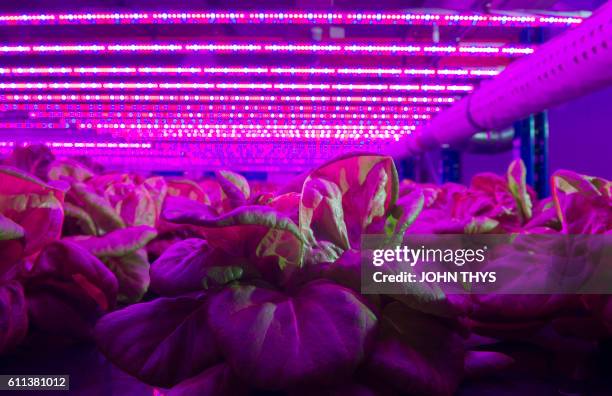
188,266
272,339
322,252
405,212
159,245
67,289
117,243
321,213
417,354
60,310
34,205
257,231
157,189
97,206
582,214
68,262
369,188
79,219
11,244
187,189
282,246
480,225
34,159
287,204
69,169
215,381
517,176
9,229
545,215
346,270
121,251
569,182
483,363
181,268
132,272
11,253
161,342
217,199
13,316
132,197
489,196
88,162
181,210
582,203
137,207
246,215
235,186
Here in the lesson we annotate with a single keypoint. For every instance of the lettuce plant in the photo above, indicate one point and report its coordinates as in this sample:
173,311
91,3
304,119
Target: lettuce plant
221,286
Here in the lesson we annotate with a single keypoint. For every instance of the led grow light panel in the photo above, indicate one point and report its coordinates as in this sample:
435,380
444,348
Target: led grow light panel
268,17
212,94
414,49
248,71
237,86
128,98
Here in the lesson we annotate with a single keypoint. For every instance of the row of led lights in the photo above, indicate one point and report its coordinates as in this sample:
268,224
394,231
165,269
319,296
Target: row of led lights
33,125
194,135
83,145
238,86
250,71
176,117
110,123
237,132
346,49
167,109
225,98
199,125
139,125
109,145
290,17
259,134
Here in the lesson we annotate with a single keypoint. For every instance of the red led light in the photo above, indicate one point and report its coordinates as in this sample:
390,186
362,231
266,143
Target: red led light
416,49
121,98
199,132
94,86
250,116
33,125
166,109
249,71
110,145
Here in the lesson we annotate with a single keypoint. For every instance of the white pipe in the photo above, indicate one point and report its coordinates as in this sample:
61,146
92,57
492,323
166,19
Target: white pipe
573,64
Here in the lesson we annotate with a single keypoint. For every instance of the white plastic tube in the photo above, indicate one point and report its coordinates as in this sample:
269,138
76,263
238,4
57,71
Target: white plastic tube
573,64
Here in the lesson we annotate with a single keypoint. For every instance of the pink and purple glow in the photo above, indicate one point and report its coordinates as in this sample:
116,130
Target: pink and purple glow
201,110
126,98
264,17
415,49
238,86
252,71
351,95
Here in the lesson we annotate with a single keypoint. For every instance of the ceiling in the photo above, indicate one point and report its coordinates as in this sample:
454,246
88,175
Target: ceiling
362,5
173,109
